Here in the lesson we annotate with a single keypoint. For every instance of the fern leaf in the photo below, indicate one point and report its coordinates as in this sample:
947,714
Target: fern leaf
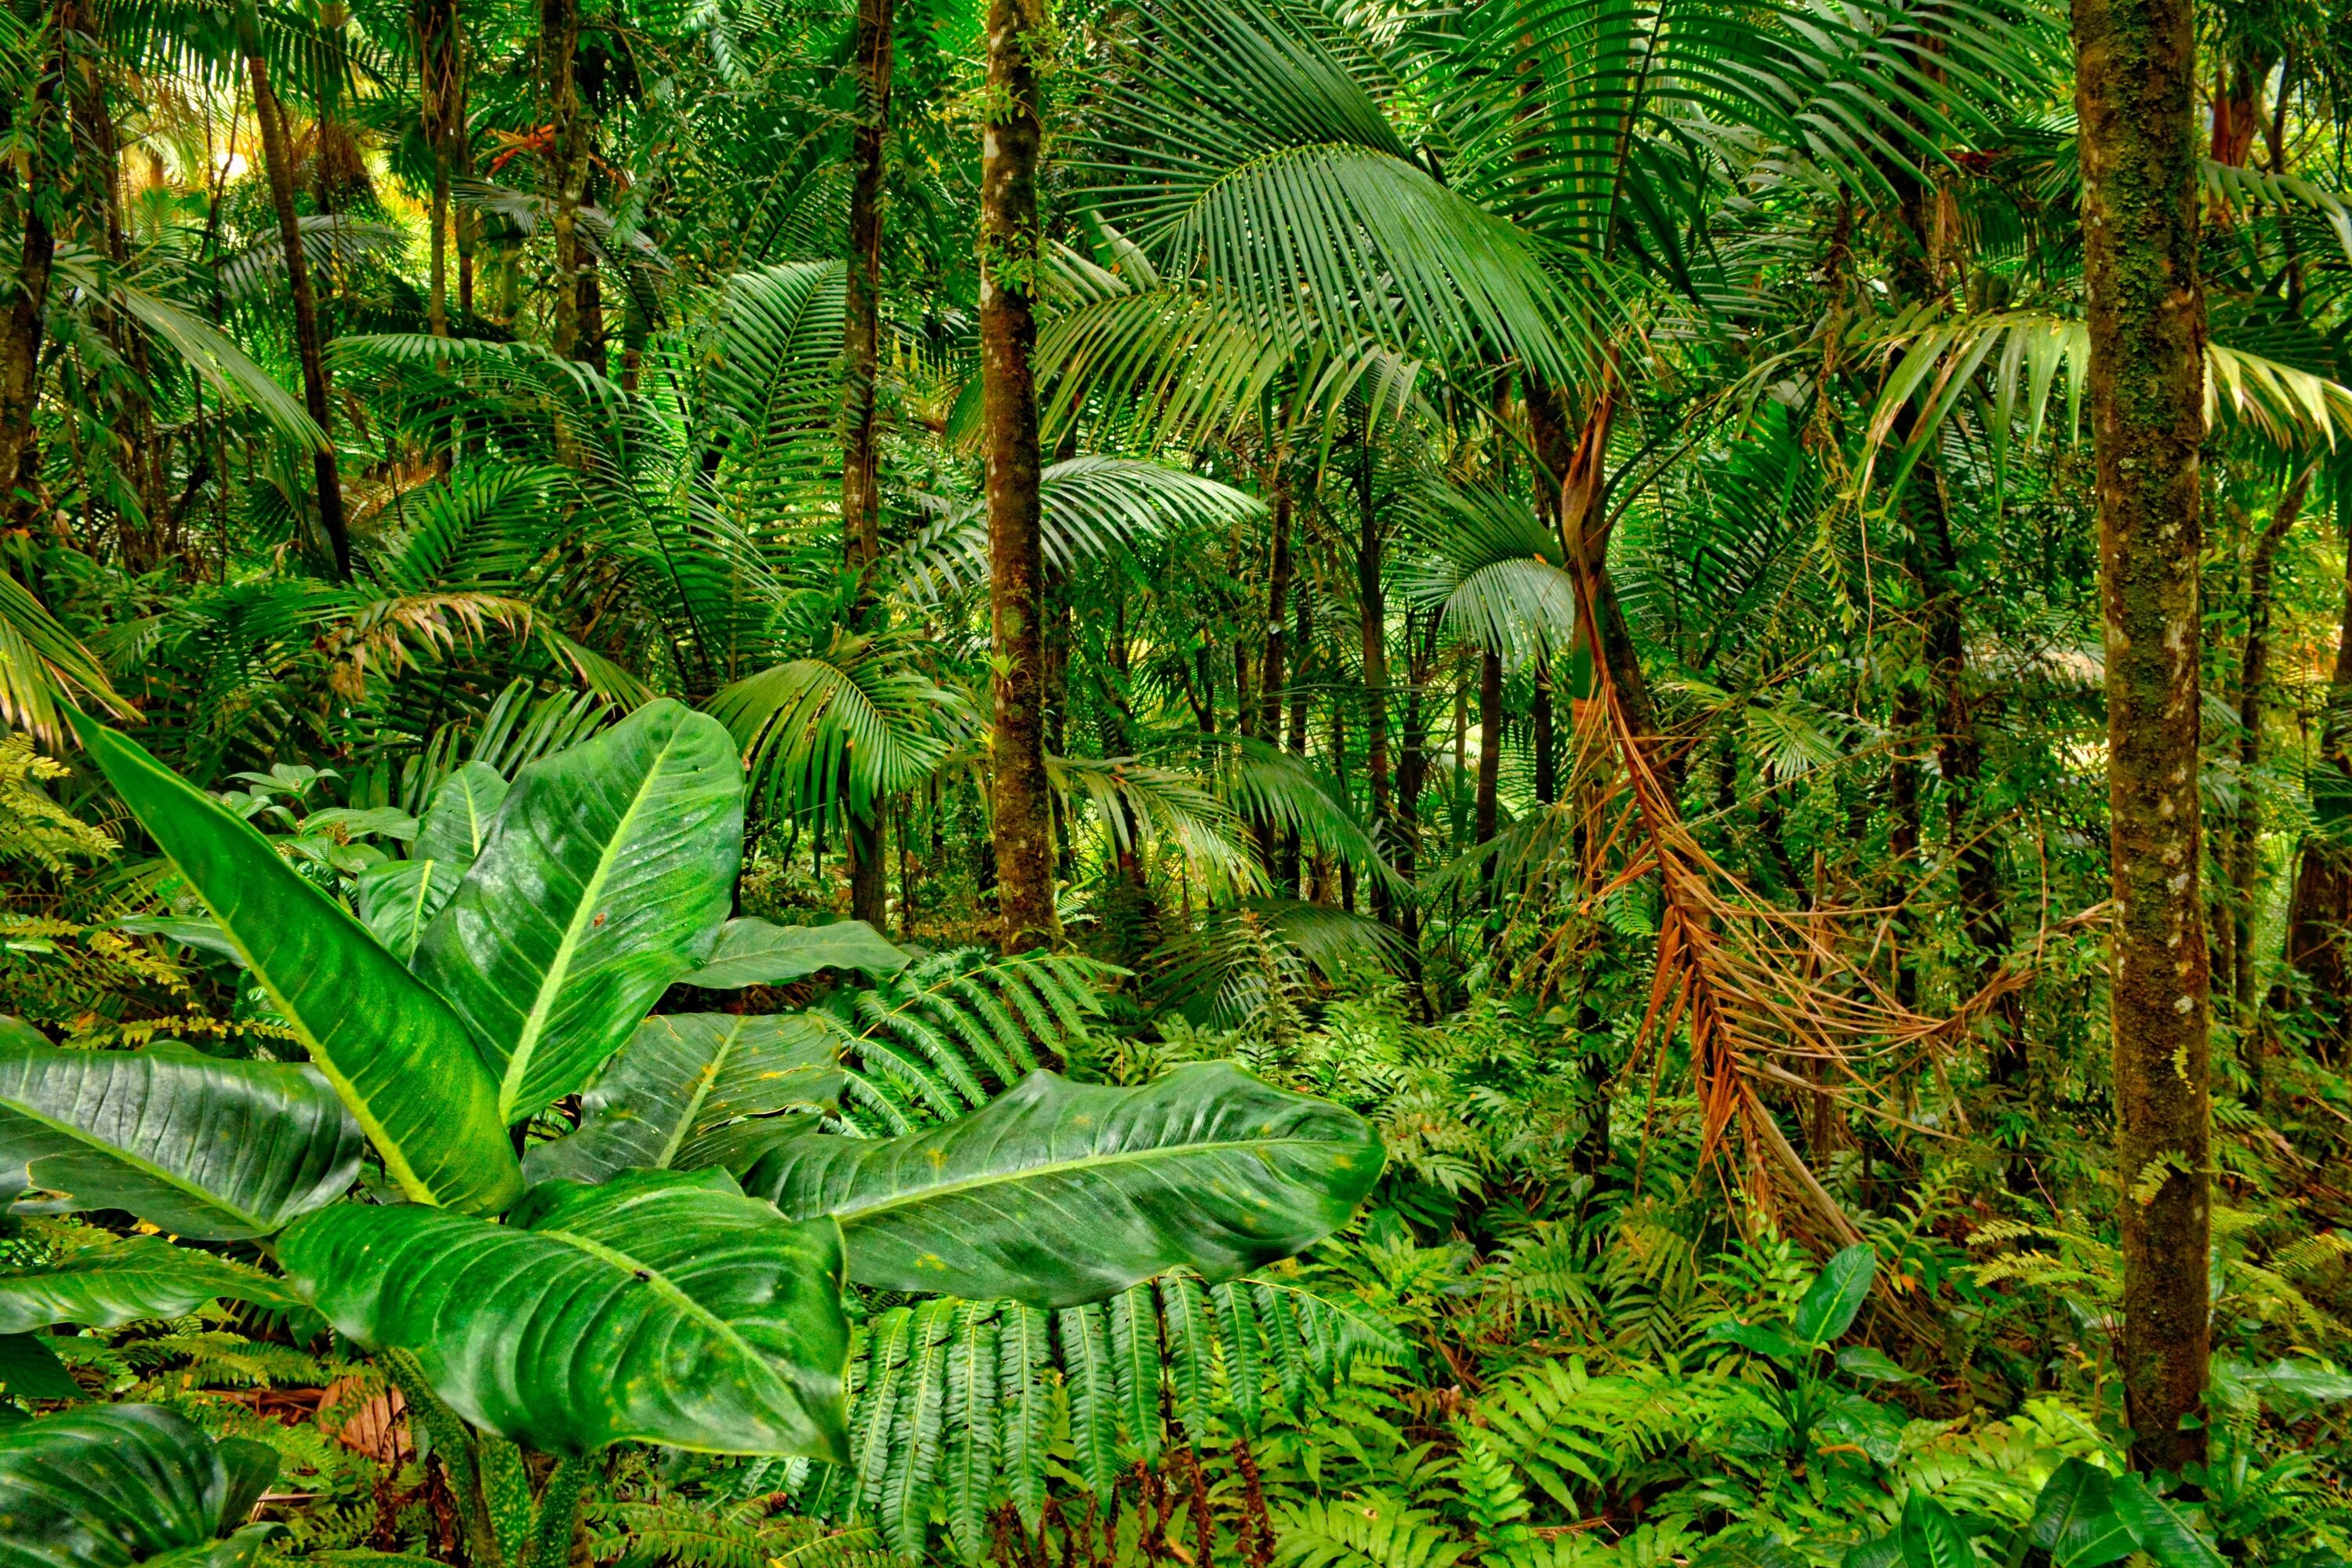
1094,1395
869,1437
1237,1340
968,1463
1135,1364
1192,1350
914,1432
1023,1353
1290,1357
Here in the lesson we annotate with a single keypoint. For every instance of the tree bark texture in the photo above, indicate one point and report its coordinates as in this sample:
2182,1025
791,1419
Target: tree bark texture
861,501
559,56
1490,742
277,160
2135,77
28,304
1021,798
2322,903
2253,680
1372,629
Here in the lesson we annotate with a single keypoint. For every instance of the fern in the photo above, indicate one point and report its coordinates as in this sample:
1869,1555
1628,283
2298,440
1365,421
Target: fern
1371,1531
948,1033
957,1407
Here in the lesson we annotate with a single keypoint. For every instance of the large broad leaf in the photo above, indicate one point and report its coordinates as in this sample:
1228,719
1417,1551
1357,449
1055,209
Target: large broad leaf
2074,1518
611,868
120,1282
756,953
1829,1307
1060,1192
400,1059
195,1144
660,1306
695,1089
401,898
123,1484
1931,1537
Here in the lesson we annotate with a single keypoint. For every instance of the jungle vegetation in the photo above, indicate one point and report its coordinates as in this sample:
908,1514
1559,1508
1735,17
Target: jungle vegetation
1292,783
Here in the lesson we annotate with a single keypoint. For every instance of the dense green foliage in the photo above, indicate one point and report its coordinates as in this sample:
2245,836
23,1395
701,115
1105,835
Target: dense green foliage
1570,661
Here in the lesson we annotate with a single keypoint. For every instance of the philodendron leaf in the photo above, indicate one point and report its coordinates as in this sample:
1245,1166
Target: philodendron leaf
396,1054
458,819
401,898
1931,1537
660,1306
2074,1518
1060,1192
694,1089
755,952
606,878
1828,1308
122,1484
120,1282
197,1145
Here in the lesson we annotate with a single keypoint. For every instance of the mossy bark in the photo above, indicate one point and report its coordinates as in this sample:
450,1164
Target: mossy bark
2134,76
1020,795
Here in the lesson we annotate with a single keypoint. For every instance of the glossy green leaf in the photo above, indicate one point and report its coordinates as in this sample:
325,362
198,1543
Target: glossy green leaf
200,1146
400,900
396,1054
1931,1537
1758,1340
1061,1193
29,1368
611,866
2159,1527
1828,1308
1872,1364
121,1484
660,1306
457,821
694,1089
2074,1518
756,953
123,1281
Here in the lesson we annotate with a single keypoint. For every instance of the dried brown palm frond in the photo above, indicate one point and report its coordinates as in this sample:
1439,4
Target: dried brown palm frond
1768,997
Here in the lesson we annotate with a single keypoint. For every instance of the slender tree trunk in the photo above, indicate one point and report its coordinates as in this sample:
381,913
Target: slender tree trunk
277,160
439,64
861,500
2135,68
1303,642
2322,905
559,53
27,327
1539,723
2253,678
1372,628
1490,742
1009,246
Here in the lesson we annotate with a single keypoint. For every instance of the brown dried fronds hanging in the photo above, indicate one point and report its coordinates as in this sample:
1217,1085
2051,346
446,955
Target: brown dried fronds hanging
1767,997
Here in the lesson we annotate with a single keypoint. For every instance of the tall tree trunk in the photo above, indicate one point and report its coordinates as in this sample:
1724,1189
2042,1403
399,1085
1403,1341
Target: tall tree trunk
1303,643
29,305
1539,724
440,72
559,55
1372,629
2253,677
277,161
2321,904
1009,247
861,500
1490,742
2135,80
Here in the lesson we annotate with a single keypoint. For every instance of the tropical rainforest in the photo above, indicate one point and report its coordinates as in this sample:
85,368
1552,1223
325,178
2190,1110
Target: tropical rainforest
1120,784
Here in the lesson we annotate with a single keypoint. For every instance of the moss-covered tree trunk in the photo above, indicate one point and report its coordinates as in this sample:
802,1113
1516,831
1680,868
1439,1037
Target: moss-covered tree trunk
441,78
861,500
2244,848
1021,801
559,85
277,165
2135,70
28,304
